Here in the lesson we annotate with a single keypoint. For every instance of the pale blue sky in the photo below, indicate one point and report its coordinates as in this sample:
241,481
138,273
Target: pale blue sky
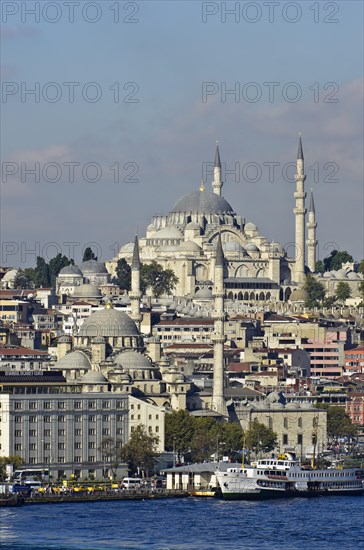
170,132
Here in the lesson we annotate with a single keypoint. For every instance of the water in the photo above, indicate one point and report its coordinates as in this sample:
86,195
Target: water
186,524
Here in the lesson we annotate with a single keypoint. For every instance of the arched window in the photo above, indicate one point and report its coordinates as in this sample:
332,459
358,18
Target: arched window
285,422
300,422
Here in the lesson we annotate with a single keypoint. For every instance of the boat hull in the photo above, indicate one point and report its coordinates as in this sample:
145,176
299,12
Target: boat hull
271,494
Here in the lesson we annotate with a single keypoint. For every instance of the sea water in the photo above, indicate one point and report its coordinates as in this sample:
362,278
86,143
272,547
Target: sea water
188,523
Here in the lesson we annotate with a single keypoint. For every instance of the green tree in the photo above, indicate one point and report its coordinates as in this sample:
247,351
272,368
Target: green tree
112,453
88,255
123,274
319,266
16,461
55,266
230,438
20,280
339,423
179,429
260,438
342,291
140,451
361,291
205,439
161,281
336,259
361,267
42,276
315,292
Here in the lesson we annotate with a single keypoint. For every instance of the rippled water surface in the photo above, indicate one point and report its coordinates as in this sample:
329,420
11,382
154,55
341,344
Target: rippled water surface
180,524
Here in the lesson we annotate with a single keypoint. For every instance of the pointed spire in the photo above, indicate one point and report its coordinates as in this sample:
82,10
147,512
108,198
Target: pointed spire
312,203
219,253
217,156
300,150
135,264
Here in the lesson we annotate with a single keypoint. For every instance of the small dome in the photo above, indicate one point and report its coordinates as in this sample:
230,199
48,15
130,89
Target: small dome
93,377
275,247
71,270
9,276
204,293
170,232
341,274
250,227
203,201
93,267
327,275
108,322
74,360
189,246
65,339
352,275
98,340
87,291
151,227
128,248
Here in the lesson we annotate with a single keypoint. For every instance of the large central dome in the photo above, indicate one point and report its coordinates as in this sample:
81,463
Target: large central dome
108,322
203,201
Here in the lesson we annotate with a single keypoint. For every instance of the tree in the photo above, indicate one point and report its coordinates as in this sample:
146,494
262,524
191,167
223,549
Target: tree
42,273
205,440
161,281
319,266
88,255
230,438
123,274
112,453
20,280
16,461
179,429
260,438
361,267
55,266
342,291
140,451
315,292
361,291
339,423
336,259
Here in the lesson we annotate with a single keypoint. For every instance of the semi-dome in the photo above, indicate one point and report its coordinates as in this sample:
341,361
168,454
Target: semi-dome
71,270
93,377
250,227
93,266
203,293
251,247
232,246
108,322
65,339
189,246
170,232
128,248
203,201
132,360
74,360
87,291
193,226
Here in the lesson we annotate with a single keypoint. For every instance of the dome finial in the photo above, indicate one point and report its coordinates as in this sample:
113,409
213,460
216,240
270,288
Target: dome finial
109,305
202,186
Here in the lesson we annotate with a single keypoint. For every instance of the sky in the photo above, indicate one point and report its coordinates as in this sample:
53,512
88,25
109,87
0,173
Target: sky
110,112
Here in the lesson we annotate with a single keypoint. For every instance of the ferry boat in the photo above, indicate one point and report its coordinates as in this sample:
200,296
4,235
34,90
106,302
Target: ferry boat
285,477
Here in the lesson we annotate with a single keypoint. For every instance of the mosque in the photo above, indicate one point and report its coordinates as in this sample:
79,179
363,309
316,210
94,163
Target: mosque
255,270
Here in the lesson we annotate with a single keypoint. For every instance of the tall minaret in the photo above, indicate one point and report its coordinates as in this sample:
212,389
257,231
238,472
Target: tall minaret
300,211
135,293
217,183
218,337
311,236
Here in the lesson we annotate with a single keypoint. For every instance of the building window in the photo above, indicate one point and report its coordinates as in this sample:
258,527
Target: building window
285,439
92,418
105,431
77,459
33,405
61,460
77,418
61,432
92,431
270,422
32,419
119,418
91,445
47,446
77,404
106,418
119,405
78,445
46,419
92,405
119,431
300,422
33,460
47,433
285,423
91,458
299,439
32,446
18,405
61,405
61,446
32,433
156,429
78,431
61,419
17,446
105,404
46,405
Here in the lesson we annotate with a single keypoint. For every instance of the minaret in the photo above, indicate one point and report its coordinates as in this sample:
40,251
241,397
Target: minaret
300,211
311,235
217,183
218,337
135,293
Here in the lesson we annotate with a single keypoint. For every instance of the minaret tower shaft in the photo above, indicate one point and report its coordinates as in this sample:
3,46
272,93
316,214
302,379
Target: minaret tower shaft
135,294
311,235
218,337
300,212
217,183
